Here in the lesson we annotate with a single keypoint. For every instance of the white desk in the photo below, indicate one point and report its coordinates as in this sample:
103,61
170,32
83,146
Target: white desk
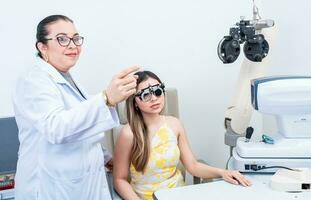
219,190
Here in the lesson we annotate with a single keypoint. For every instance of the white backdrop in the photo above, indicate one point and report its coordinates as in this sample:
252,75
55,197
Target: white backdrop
177,39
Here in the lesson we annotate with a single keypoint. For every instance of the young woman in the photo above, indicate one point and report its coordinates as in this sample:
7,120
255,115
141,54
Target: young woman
150,146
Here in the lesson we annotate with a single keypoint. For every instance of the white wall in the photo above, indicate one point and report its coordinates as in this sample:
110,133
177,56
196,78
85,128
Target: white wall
175,39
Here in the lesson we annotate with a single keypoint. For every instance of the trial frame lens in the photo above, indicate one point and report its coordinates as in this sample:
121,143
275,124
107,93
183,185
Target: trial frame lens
146,94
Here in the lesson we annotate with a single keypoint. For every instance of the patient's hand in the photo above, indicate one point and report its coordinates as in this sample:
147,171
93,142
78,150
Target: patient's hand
109,165
235,177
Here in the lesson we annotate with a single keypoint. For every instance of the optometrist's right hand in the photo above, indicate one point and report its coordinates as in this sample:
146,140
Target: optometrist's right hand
122,85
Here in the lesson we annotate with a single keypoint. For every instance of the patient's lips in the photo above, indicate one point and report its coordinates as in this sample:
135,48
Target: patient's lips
155,106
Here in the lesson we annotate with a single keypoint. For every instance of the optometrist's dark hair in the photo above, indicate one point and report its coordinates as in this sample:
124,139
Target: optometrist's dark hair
140,151
42,28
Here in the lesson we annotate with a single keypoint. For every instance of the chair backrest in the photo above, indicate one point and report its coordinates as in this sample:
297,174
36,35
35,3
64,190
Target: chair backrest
9,145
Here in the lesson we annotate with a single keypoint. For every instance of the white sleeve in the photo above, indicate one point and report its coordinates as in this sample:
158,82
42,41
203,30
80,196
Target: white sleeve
38,100
107,154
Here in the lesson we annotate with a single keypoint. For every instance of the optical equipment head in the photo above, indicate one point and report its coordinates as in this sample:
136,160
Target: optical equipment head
228,49
255,48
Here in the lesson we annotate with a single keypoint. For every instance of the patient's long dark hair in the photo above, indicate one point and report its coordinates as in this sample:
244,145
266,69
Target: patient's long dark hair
141,146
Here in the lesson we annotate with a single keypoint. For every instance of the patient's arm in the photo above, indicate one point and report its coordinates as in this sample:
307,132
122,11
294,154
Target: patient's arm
122,163
202,170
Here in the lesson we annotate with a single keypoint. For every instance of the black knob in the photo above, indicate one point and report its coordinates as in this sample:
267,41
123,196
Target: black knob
249,133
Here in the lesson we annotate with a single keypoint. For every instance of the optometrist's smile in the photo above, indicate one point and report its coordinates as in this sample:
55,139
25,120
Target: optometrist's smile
72,55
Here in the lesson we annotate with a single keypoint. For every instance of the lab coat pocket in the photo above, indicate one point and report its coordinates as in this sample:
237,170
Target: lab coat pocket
51,188
64,161
93,185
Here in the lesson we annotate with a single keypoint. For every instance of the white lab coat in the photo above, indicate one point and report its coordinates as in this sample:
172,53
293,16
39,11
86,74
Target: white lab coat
60,155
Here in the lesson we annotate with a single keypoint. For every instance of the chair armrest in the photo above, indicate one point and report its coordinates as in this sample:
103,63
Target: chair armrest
113,193
198,180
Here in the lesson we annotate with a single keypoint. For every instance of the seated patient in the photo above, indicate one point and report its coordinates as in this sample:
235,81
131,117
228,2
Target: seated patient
150,146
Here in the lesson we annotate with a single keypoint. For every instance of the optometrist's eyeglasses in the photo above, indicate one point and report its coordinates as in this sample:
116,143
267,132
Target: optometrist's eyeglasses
64,40
146,94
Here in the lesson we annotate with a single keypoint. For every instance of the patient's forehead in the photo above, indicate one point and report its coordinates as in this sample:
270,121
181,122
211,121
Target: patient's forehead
147,83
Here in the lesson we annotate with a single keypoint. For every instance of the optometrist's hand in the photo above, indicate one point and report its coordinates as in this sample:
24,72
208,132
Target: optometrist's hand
122,85
235,177
109,165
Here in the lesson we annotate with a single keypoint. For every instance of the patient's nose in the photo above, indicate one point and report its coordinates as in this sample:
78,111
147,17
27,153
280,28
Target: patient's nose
153,97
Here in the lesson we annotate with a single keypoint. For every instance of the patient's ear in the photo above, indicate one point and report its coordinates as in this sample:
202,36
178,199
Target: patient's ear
136,107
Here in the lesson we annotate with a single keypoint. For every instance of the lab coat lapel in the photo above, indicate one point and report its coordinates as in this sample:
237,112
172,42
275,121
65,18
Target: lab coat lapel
59,78
82,90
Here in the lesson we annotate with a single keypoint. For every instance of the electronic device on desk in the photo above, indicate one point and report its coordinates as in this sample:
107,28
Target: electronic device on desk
7,181
291,180
288,98
7,186
9,144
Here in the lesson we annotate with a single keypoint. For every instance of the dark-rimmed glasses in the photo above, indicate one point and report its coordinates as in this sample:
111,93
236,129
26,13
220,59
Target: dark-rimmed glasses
64,40
146,94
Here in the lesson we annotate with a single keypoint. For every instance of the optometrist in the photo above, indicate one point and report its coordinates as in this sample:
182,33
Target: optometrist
61,127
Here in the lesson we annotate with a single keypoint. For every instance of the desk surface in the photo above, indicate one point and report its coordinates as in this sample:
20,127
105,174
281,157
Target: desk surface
259,190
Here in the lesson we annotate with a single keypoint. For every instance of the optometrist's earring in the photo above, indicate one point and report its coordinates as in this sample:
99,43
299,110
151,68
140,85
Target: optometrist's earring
46,58
136,107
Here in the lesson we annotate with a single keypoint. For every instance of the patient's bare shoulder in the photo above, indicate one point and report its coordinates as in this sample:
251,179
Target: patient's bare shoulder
126,133
174,123
172,120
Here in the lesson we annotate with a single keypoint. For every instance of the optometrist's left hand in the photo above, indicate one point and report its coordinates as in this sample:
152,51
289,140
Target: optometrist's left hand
109,165
235,177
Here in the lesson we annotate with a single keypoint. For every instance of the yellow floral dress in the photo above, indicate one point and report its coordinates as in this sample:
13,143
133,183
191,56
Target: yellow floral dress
161,171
